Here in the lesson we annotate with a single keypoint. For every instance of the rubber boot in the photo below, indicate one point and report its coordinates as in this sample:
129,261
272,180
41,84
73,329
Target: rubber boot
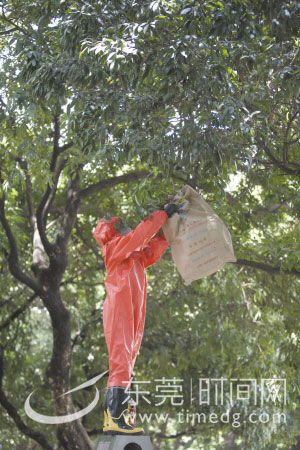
116,413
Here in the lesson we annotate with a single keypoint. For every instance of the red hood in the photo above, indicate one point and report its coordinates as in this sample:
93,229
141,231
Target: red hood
105,231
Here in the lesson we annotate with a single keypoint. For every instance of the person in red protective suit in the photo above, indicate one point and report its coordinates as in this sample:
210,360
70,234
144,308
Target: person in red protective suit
126,257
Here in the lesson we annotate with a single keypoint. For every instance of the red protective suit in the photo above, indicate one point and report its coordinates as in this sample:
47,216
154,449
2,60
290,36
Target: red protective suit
126,258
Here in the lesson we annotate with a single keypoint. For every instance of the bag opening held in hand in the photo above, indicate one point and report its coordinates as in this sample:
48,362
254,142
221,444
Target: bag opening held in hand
200,242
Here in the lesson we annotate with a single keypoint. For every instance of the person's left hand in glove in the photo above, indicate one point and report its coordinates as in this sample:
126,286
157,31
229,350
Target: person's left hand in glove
171,208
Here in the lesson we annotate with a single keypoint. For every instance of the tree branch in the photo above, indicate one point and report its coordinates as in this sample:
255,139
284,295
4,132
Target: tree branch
194,177
175,446
56,167
56,136
2,33
48,246
81,334
267,268
88,269
163,429
281,164
68,220
38,258
4,302
230,444
270,209
50,193
66,146
109,182
17,313
175,436
57,150
94,248
188,444
263,209
267,151
13,413
24,166
286,142
13,257
3,16
13,297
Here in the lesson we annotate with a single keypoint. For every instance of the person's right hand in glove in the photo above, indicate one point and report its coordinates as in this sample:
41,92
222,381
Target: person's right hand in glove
171,208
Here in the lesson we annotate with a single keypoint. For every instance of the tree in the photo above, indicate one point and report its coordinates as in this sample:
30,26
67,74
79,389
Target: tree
98,100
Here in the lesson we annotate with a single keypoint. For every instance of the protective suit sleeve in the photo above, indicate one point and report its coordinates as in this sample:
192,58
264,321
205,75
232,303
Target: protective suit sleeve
158,246
139,237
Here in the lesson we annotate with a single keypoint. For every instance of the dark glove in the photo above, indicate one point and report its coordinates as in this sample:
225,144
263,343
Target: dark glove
171,208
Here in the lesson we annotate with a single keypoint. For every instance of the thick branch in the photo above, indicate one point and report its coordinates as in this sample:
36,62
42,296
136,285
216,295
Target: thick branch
48,246
267,268
39,257
45,203
13,413
56,167
13,257
109,182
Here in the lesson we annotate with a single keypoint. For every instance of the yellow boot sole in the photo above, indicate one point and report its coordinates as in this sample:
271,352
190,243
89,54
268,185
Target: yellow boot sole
110,427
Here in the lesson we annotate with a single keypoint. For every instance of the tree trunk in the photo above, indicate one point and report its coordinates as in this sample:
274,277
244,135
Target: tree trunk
230,441
71,435
297,445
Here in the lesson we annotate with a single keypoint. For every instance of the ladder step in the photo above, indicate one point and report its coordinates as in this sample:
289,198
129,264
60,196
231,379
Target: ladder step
119,442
